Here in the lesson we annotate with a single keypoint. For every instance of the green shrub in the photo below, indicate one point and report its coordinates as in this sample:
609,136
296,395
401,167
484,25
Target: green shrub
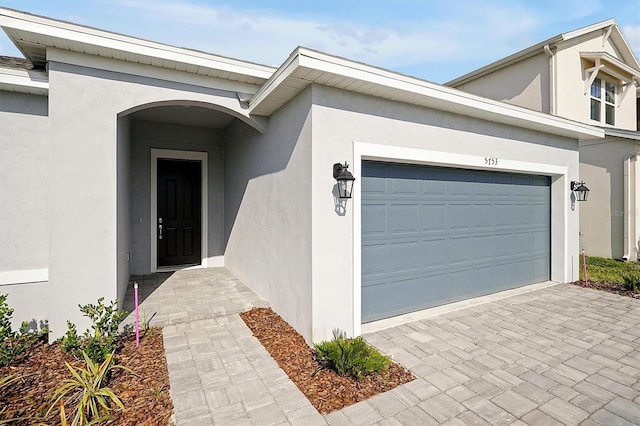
350,357
631,280
71,342
600,269
98,341
105,319
14,343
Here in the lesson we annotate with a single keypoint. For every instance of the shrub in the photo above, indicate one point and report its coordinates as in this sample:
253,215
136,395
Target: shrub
99,341
85,392
631,280
350,357
14,343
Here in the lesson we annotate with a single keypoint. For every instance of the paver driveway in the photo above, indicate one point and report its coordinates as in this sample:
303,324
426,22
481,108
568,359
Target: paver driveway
560,355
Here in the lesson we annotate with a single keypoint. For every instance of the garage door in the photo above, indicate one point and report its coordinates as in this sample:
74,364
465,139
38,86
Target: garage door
434,235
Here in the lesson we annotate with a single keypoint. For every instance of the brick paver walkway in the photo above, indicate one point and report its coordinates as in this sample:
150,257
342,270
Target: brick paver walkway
561,355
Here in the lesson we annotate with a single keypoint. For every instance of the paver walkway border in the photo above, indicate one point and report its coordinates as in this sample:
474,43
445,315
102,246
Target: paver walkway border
559,355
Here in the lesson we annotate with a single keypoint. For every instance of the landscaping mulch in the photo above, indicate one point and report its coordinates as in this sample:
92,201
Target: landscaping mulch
616,288
145,395
326,390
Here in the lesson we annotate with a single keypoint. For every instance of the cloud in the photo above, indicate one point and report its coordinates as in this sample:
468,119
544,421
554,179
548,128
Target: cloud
475,31
632,34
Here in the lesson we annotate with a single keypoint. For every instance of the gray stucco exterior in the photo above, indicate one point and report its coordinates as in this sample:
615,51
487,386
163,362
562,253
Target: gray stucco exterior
80,160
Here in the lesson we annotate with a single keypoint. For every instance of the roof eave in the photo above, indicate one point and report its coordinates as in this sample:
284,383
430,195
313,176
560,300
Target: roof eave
24,81
426,93
51,30
504,62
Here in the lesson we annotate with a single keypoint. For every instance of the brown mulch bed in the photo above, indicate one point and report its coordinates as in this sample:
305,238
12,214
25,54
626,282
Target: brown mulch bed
326,390
42,369
616,288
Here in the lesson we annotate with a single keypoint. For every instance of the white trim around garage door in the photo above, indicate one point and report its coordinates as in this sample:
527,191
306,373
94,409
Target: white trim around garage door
560,196
178,155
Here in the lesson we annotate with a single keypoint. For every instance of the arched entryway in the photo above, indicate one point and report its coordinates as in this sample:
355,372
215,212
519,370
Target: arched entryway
171,186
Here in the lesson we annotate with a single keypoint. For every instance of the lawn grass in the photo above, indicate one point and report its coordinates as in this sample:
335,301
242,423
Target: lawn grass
600,269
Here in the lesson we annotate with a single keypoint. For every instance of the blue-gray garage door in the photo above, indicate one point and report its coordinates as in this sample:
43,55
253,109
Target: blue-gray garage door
434,235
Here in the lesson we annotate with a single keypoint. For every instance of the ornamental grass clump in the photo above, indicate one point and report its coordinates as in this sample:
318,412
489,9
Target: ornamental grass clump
85,394
350,357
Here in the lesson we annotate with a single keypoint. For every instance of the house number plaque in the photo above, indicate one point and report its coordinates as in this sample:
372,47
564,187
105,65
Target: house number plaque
490,161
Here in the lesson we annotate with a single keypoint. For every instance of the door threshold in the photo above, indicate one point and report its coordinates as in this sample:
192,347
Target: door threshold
175,268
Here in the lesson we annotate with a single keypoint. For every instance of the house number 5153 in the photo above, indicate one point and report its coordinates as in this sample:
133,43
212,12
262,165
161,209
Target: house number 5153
490,161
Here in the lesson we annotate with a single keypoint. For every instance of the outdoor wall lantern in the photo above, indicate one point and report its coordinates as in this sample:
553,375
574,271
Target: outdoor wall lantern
580,190
345,179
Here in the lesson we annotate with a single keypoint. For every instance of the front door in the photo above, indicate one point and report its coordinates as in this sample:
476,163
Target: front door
179,212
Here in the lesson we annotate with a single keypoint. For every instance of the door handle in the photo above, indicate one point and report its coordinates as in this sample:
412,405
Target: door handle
159,228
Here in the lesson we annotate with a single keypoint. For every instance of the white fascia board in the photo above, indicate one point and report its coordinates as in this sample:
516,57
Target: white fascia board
456,100
27,80
589,28
504,62
107,40
278,77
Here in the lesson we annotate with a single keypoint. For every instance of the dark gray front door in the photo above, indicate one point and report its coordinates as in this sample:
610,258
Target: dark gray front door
434,235
179,212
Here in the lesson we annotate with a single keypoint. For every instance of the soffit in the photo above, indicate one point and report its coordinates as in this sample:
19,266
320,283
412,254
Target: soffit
34,34
24,81
306,66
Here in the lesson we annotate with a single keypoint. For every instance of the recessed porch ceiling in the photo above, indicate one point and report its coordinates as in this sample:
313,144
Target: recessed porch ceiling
189,116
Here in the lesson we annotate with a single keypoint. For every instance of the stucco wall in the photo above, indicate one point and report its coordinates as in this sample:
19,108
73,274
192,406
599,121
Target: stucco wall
602,215
524,83
83,110
24,227
123,155
341,119
268,210
149,134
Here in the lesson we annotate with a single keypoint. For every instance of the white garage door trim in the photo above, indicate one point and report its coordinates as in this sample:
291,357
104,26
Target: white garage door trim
560,201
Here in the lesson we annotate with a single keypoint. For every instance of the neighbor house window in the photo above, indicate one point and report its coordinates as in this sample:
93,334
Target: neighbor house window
603,101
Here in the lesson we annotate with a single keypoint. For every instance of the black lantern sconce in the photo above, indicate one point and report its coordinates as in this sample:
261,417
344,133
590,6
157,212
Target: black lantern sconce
345,179
580,189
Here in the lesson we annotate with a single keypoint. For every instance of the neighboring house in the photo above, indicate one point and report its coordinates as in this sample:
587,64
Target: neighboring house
589,75
110,137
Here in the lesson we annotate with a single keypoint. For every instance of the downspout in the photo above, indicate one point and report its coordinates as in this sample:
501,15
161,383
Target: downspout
629,249
552,79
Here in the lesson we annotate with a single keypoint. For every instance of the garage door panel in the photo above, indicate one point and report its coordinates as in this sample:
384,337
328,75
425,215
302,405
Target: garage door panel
374,259
521,271
539,241
374,219
403,218
404,186
540,214
483,217
434,216
434,252
438,235
458,216
540,268
405,256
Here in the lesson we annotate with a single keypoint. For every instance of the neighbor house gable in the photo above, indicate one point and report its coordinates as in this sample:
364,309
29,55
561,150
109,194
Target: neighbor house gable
556,75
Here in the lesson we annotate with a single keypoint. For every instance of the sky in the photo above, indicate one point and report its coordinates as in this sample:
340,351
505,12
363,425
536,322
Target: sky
436,40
